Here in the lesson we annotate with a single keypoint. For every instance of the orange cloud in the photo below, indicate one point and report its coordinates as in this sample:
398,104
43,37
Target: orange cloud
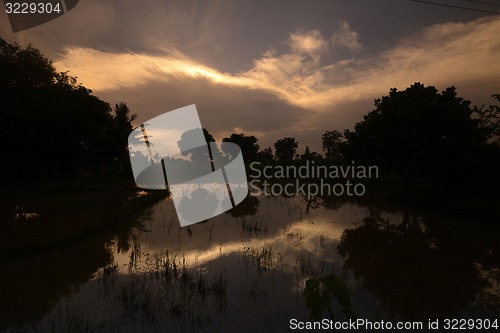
442,54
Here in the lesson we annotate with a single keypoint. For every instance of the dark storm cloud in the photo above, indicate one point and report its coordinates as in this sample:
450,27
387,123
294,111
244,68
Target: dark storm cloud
329,92
226,34
271,68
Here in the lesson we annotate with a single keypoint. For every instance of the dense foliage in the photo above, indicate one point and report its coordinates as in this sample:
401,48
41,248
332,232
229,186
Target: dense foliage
421,133
53,124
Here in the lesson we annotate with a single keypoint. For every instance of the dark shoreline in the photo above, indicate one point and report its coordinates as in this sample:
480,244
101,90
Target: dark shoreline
38,217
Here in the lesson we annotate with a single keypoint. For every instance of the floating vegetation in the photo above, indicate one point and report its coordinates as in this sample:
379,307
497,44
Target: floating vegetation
263,258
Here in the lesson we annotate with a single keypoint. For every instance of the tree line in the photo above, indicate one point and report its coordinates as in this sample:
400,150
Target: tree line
56,126
418,135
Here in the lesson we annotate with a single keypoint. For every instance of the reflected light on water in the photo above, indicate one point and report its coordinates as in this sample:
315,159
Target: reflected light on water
251,266
286,228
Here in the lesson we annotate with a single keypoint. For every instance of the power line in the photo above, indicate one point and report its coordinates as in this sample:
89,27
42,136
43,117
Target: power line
459,7
484,3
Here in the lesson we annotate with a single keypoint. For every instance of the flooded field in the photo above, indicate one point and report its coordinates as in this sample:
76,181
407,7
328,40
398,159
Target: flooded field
247,271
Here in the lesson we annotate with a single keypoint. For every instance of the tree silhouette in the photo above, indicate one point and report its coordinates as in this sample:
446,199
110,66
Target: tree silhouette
310,156
489,119
247,144
122,121
419,133
56,121
332,141
26,67
286,148
265,155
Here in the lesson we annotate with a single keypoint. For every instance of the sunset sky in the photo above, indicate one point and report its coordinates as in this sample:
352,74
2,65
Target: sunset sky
270,68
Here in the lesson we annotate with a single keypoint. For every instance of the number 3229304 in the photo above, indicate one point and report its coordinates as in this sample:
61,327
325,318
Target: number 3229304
470,324
32,8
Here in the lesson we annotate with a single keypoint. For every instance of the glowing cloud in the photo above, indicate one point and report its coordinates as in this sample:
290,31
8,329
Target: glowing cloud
446,54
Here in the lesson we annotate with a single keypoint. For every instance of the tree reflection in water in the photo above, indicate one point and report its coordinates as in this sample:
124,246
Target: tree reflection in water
419,269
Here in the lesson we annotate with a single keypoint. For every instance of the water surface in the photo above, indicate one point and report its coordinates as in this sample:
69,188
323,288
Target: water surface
246,270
